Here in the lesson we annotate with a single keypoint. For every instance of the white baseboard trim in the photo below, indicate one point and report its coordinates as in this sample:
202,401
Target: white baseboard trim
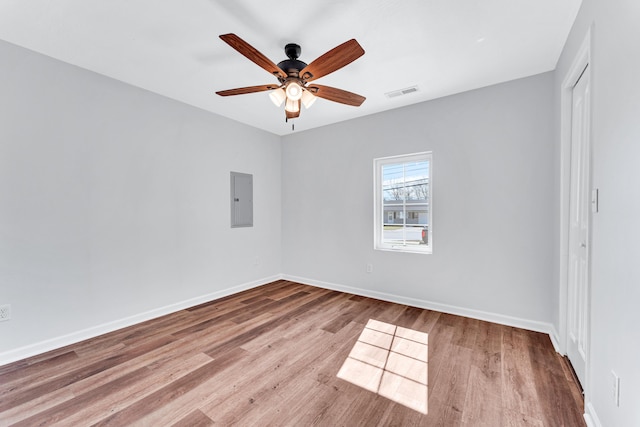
92,332
555,340
516,322
590,416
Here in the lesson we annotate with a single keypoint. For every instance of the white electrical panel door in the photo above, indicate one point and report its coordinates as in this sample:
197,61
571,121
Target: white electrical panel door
241,200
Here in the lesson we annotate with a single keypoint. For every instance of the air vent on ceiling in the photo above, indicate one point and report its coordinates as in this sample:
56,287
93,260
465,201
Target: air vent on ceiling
405,91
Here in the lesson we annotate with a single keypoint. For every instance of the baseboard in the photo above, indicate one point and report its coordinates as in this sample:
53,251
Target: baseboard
555,340
75,337
590,416
516,322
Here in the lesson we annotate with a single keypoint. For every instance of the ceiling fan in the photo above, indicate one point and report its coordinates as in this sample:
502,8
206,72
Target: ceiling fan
294,76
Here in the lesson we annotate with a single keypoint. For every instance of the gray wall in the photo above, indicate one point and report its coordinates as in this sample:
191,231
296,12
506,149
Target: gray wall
493,225
615,281
114,202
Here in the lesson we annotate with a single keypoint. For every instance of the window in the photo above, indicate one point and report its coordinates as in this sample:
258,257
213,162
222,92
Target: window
402,211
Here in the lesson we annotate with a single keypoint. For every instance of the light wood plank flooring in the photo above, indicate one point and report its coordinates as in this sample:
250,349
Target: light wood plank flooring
271,355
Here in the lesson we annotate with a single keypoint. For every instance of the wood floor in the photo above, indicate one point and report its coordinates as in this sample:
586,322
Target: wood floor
270,356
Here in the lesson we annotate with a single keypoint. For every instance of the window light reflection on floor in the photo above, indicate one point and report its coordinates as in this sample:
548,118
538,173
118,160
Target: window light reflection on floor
392,361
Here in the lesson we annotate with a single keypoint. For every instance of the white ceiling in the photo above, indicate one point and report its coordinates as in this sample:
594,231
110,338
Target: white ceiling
171,47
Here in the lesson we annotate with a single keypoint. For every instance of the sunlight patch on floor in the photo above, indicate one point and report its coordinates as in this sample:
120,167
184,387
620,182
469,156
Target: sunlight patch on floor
392,361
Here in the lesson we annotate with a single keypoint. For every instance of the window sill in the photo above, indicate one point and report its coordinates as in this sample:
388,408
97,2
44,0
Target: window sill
422,251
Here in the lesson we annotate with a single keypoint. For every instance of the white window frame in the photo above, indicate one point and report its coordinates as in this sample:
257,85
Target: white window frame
378,203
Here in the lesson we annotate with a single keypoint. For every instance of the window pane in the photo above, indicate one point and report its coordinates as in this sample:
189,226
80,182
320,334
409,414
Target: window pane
417,181
392,182
402,235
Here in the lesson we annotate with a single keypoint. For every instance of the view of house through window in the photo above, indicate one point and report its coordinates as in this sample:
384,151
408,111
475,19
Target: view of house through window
403,203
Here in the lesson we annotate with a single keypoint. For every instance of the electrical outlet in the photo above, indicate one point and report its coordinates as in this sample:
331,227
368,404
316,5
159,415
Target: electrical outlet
615,388
5,312
369,268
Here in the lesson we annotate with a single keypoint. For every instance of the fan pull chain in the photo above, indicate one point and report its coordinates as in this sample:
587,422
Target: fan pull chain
293,125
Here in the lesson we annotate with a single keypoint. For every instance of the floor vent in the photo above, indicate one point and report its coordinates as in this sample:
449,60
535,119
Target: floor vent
401,92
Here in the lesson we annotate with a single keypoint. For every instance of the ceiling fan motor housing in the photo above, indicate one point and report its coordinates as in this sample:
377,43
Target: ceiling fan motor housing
292,66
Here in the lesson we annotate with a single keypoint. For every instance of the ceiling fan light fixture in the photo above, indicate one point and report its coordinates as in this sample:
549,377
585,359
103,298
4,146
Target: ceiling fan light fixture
292,106
278,96
308,99
293,75
294,91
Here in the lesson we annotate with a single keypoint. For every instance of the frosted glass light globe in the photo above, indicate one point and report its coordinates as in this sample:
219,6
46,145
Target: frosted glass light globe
294,91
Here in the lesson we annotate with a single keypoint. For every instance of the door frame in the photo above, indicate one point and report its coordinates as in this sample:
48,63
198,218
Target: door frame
582,63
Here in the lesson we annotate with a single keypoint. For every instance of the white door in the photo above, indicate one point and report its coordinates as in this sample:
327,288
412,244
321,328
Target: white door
580,215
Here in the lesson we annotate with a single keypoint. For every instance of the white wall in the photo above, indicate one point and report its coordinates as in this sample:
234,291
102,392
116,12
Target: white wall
493,159
114,203
615,281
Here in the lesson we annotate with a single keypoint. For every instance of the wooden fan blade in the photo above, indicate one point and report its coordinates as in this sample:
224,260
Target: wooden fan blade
336,95
248,89
333,60
293,115
252,54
